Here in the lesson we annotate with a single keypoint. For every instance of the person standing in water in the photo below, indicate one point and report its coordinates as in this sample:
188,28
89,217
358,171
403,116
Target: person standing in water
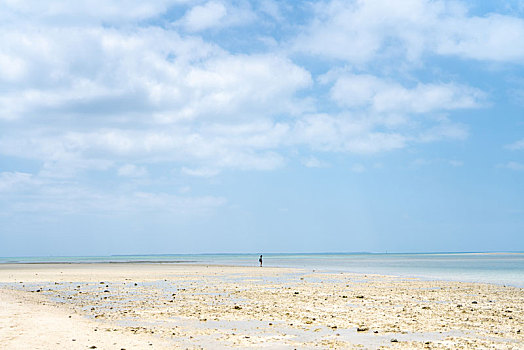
260,260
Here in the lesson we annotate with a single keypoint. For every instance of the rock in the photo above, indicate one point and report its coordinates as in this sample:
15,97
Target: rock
296,292
474,302
237,307
360,297
394,340
362,329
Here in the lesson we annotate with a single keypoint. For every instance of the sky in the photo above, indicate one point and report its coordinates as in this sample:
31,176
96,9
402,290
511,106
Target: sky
174,126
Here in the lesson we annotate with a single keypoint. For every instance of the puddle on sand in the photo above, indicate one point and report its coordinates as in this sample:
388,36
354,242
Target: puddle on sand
219,334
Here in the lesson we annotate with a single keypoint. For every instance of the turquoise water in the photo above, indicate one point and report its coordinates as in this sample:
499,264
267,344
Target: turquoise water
502,268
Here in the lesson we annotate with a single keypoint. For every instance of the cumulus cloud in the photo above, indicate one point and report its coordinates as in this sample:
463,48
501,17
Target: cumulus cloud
93,96
204,16
88,87
359,31
493,37
343,133
216,15
358,91
83,12
122,75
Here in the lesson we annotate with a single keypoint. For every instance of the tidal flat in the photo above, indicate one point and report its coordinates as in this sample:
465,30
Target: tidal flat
178,306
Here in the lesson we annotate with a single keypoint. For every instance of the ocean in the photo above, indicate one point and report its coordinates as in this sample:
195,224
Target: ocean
497,268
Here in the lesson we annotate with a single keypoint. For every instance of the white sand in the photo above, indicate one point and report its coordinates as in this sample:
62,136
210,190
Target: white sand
115,306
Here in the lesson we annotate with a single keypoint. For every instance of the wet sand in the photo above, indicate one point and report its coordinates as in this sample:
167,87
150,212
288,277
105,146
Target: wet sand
173,306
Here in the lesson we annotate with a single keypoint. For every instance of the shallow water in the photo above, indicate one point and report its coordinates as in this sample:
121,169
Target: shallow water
503,268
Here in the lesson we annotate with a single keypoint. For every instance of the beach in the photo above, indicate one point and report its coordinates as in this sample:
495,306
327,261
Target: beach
182,306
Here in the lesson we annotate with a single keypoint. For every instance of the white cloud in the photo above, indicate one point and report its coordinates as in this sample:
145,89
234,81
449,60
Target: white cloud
517,145
493,37
89,87
204,16
131,170
366,91
28,193
245,85
184,189
142,93
444,130
11,181
450,162
216,15
271,8
312,162
75,200
359,31
344,134
201,172
119,75
82,12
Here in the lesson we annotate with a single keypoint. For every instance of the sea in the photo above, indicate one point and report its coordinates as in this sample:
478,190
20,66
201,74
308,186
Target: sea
496,268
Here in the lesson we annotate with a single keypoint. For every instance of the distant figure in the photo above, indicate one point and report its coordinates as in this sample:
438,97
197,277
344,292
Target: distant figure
260,260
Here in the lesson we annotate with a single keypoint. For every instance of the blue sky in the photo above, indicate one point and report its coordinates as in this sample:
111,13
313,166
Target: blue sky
131,127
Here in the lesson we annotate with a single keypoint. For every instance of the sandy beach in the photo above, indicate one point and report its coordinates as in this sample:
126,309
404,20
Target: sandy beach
174,306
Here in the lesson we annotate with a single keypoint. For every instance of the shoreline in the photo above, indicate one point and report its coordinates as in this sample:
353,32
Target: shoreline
218,307
97,262
200,264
